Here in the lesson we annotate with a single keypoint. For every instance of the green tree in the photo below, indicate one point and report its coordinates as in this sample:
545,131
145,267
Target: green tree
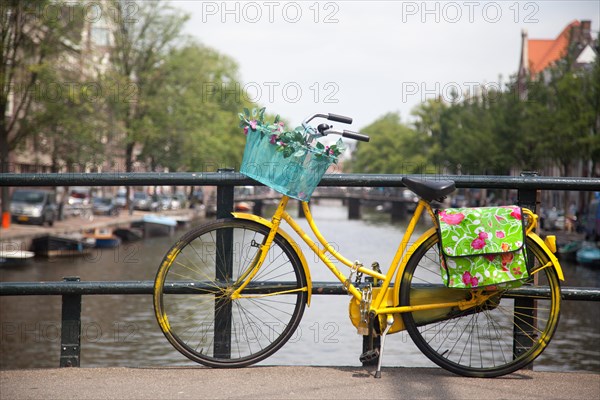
31,41
428,122
591,143
192,122
394,148
142,41
74,132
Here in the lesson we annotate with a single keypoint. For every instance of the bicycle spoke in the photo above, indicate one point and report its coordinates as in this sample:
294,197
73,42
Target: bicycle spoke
480,341
199,306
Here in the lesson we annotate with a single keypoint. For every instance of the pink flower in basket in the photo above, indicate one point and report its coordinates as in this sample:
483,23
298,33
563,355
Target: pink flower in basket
273,139
451,219
470,280
253,124
246,130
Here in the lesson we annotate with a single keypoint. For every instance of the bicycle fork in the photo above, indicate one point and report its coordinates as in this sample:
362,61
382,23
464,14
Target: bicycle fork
245,279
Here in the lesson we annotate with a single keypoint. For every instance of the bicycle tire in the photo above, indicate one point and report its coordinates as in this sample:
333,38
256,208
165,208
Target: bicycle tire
479,342
205,323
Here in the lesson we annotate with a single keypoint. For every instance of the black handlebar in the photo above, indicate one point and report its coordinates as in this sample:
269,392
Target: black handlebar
356,136
339,118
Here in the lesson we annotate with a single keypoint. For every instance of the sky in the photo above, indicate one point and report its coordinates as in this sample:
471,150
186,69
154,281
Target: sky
368,58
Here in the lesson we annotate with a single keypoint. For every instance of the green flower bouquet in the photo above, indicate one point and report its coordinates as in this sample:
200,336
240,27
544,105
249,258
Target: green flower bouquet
286,161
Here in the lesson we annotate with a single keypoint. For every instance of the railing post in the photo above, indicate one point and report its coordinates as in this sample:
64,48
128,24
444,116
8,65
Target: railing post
398,211
224,197
70,343
257,209
525,308
224,271
353,208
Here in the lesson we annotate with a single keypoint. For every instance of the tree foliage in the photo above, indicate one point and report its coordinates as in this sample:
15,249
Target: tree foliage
394,148
191,123
557,124
30,45
142,41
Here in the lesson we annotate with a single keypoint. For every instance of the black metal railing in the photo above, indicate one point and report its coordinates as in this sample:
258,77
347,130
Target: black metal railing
72,289
227,177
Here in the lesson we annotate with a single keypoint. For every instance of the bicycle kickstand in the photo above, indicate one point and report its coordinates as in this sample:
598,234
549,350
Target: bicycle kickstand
389,323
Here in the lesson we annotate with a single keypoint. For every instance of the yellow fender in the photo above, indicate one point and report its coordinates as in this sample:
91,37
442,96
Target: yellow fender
287,237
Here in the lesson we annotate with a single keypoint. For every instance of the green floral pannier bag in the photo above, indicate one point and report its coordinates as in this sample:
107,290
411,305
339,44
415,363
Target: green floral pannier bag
482,246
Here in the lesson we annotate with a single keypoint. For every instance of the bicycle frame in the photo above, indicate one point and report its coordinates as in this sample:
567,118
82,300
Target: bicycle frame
396,268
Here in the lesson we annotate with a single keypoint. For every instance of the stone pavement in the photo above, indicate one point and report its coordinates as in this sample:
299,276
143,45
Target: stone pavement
288,383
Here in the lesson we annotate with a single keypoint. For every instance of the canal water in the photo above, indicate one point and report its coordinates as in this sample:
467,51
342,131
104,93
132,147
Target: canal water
120,330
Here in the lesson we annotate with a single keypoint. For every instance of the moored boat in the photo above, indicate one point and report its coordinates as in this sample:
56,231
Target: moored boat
15,257
568,251
128,234
183,221
104,238
157,225
60,246
243,206
588,254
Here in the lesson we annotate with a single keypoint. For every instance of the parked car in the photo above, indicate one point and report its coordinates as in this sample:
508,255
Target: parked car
34,206
145,202
197,197
79,195
105,206
121,199
164,202
179,201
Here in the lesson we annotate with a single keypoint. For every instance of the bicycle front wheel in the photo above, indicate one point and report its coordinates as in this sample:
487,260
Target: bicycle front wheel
193,289
501,336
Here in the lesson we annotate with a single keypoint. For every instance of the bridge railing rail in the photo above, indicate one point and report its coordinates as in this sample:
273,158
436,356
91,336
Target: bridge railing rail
71,290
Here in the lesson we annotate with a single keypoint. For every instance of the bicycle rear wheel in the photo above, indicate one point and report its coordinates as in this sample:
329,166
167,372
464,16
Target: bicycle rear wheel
478,342
193,287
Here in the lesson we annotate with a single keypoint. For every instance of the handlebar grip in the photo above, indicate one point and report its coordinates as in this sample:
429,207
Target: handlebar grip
356,136
339,118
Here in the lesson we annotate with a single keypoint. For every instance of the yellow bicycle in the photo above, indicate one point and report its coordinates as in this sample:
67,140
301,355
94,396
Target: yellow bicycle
232,292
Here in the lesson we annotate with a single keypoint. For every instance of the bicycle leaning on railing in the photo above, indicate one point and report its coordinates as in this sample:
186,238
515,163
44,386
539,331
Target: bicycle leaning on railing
230,293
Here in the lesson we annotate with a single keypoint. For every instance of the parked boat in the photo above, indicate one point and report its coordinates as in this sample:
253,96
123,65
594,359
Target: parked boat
15,257
60,246
157,225
104,238
129,234
568,251
588,254
243,206
183,221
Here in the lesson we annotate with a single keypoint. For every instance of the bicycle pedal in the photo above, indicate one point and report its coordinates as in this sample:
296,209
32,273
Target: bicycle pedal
369,356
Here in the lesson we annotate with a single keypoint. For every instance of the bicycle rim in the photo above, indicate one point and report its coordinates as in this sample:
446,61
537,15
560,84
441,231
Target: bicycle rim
193,286
478,342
